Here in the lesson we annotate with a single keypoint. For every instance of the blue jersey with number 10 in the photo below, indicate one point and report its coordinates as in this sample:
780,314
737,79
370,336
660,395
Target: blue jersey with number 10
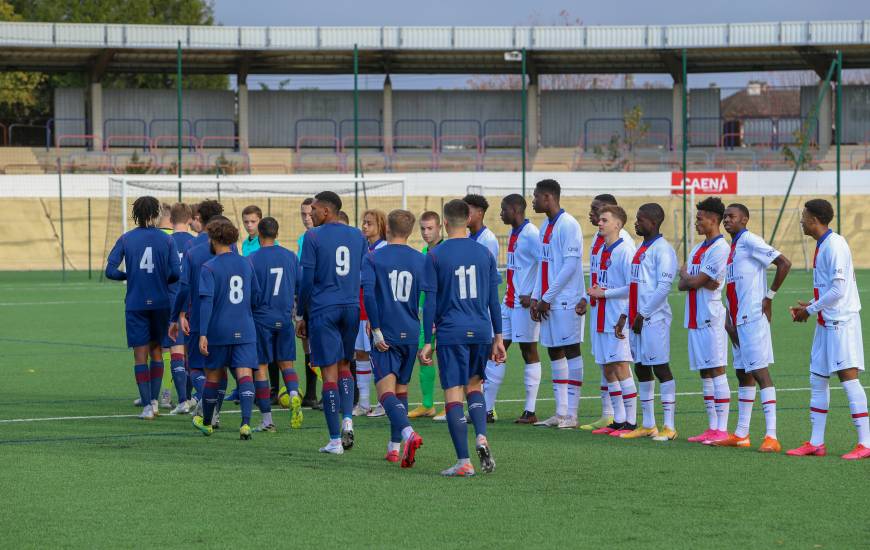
228,293
332,256
467,306
152,264
392,279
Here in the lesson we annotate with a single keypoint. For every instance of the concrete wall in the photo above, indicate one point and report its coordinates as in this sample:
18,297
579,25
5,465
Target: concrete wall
856,111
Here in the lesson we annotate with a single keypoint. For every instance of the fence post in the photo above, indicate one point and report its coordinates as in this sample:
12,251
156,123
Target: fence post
89,239
62,243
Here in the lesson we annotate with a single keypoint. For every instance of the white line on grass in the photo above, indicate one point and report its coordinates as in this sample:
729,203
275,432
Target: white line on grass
62,302
236,411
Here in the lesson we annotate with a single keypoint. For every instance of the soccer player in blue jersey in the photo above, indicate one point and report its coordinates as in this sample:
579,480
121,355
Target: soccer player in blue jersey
393,277
277,272
229,293
151,266
464,308
179,218
185,310
332,255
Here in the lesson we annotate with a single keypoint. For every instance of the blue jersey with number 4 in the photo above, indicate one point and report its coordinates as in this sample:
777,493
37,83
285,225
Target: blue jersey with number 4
332,256
392,279
277,272
151,261
467,308
228,293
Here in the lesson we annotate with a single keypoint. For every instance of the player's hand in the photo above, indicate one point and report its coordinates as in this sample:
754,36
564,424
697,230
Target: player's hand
799,313
543,309
580,308
617,328
684,271
378,339
302,329
368,329
203,345
525,302
499,355
173,331
425,355
596,292
637,325
766,307
185,324
732,332
533,311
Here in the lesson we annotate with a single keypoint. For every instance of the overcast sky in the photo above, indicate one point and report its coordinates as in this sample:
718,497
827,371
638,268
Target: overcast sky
516,12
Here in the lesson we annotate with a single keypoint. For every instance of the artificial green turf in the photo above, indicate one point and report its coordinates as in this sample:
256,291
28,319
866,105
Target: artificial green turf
121,482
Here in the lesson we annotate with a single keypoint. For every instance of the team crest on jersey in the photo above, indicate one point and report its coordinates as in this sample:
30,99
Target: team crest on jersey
607,263
642,256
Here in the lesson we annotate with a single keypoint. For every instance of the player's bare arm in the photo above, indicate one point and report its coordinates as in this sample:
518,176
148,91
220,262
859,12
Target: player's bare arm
783,266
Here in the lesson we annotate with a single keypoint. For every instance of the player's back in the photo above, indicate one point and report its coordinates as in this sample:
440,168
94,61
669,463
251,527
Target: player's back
229,280
181,239
150,259
465,274
194,259
334,252
396,272
277,272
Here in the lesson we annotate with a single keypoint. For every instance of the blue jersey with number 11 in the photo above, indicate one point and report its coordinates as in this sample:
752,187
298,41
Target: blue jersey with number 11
393,277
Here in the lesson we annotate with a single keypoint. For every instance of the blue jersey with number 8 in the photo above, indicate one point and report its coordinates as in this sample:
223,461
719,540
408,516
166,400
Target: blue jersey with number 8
332,256
228,294
151,265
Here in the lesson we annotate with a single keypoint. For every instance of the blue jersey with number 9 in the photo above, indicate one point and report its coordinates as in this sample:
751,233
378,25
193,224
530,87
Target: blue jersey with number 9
332,254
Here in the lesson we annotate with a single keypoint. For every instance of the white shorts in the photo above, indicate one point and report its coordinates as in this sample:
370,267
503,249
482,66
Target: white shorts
517,325
363,343
756,349
708,347
837,348
563,327
610,349
653,345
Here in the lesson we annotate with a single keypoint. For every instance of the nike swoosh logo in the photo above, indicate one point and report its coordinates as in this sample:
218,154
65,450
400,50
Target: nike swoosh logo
612,355
840,362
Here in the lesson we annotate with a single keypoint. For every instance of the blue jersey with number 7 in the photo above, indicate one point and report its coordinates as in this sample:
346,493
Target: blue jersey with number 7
277,272
151,265
332,256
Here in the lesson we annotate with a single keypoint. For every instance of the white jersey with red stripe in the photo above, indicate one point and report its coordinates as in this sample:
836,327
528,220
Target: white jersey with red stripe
833,260
523,254
363,316
746,276
560,238
654,263
614,276
488,239
704,307
597,243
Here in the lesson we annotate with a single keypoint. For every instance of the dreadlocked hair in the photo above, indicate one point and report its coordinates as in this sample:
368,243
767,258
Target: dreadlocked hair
146,212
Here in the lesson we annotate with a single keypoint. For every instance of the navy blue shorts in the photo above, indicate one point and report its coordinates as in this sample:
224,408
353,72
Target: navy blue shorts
195,360
234,356
144,327
458,363
398,360
276,344
332,335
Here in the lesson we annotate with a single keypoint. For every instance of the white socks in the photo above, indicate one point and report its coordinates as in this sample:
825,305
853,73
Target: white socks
615,392
606,405
746,398
768,405
629,398
858,407
669,402
647,403
710,403
532,380
820,399
575,384
494,378
722,400
364,382
560,385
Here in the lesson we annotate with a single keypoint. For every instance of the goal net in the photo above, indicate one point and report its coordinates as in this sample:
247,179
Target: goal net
277,196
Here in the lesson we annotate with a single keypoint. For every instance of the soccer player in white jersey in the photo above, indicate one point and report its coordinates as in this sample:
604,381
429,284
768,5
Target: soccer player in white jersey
598,242
611,293
704,318
523,252
838,346
558,288
479,232
653,268
748,324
